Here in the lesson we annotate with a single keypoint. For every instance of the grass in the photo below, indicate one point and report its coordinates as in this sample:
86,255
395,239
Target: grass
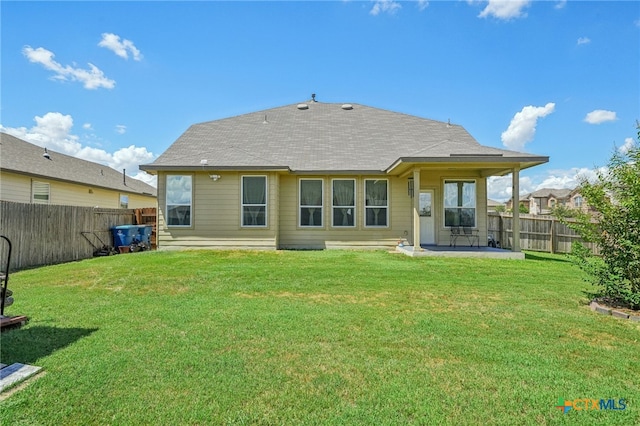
331,337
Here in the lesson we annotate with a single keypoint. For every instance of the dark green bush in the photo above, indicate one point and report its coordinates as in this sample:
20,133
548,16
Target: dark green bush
614,226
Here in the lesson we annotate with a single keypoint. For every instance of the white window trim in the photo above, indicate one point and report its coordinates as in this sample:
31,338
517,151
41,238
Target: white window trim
353,207
120,201
475,201
191,216
265,205
364,203
41,185
577,201
300,206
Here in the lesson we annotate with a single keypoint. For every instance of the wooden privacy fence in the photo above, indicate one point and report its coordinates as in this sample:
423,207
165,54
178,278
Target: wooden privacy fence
537,233
48,234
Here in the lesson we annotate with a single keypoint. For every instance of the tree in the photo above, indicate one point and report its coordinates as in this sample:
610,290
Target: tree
523,209
614,228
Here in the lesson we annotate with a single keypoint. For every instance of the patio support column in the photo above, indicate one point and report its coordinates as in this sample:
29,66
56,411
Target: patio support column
416,210
515,194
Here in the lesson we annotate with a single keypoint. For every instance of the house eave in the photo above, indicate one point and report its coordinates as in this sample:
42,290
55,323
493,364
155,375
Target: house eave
154,169
338,172
498,164
123,189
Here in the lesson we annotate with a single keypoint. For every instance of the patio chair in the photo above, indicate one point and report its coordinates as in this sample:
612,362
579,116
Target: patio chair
453,237
472,235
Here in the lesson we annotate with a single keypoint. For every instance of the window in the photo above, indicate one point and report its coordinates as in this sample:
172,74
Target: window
311,202
40,192
343,202
577,201
254,201
460,203
124,201
376,202
552,202
425,204
179,195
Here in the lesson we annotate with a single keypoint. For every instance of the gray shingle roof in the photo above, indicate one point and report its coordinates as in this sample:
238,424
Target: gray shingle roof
551,192
324,137
23,157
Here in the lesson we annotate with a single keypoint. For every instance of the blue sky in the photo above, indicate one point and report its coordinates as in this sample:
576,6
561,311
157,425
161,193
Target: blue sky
118,82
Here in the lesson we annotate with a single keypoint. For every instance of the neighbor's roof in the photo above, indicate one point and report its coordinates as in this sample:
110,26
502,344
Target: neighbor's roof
551,192
22,157
317,136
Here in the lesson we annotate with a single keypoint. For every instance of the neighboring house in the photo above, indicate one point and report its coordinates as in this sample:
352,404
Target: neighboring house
31,174
493,204
577,202
524,201
544,200
325,175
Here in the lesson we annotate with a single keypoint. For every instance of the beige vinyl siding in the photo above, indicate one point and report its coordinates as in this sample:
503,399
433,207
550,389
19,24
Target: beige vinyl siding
82,195
137,201
216,216
293,236
17,188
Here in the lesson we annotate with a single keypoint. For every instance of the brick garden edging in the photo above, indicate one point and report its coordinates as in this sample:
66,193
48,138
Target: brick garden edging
613,312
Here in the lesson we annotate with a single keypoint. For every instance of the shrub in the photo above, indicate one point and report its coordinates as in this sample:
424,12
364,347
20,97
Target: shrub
614,227
523,209
562,211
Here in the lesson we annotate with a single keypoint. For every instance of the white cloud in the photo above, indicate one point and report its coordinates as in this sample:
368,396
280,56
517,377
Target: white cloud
505,9
120,48
87,126
93,78
388,6
146,178
584,40
561,4
130,158
523,126
628,144
499,187
423,4
600,116
121,129
53,131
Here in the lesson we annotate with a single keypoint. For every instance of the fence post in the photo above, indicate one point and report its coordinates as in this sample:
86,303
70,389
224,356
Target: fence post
552,237
500,228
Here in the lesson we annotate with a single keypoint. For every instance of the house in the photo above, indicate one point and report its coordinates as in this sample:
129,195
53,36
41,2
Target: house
493,206
543,200
325,175
31,174
576,201
523,201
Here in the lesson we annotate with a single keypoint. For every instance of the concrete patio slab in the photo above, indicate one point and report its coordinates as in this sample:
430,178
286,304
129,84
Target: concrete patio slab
445,251
16,373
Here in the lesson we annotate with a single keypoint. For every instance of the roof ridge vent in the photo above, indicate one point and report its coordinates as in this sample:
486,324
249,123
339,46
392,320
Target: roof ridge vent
303,106
346,107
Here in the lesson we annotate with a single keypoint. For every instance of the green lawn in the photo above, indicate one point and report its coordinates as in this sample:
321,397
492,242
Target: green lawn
315,337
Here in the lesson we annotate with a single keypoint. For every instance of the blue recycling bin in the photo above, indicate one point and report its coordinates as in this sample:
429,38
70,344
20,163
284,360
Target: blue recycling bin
144,234
124,235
